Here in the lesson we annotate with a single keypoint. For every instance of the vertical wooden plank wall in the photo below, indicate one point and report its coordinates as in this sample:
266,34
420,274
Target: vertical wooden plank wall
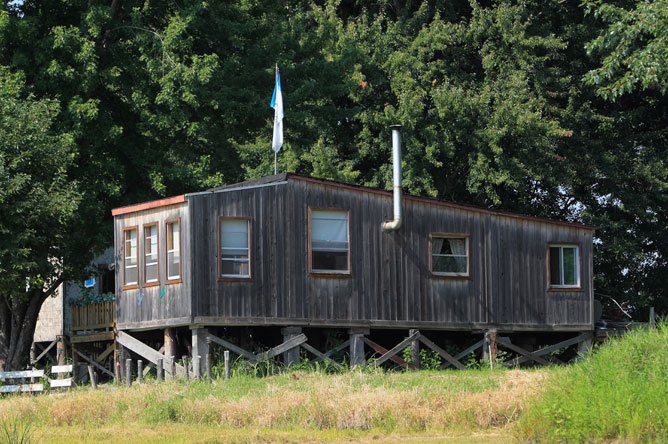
390,284
173,307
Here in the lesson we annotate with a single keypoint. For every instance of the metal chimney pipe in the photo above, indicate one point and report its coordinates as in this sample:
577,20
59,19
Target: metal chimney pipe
391,225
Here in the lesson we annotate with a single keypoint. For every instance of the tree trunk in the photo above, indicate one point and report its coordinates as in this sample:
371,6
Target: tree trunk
17,327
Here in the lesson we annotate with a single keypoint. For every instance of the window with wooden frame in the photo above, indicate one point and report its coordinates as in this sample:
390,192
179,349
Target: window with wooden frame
130,260
235,248
151,262
449,255
329,241
564,266
173,251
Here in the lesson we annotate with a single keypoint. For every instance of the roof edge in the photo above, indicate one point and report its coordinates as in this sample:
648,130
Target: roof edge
439,202
174,200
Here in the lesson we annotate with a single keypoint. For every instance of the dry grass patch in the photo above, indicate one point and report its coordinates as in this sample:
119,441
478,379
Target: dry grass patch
355,402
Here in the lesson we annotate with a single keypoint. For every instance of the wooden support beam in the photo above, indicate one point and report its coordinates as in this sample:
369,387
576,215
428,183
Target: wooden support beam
231,347
291,343
50,346
320,355
93,363
399,347
327,355
93,337
547,350
472,348
145,351
383,350
505,343
105,354
445,355
150,364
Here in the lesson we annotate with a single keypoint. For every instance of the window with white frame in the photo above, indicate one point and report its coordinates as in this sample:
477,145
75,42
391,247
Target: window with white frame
173,240
449,255
234,248
329,247
151,253
564,266
130,272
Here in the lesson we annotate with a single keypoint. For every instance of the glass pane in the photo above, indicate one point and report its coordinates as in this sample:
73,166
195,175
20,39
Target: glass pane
173,236
569,266
329,245
235,268
329,260
131,245
151,239
151,273
234,233
235,254
329,226
555,269
449,264
131,275
173,265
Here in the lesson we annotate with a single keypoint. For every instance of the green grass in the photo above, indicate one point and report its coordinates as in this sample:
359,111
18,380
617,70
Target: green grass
620,392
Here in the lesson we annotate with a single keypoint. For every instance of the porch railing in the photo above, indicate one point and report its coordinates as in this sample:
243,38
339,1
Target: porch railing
94,316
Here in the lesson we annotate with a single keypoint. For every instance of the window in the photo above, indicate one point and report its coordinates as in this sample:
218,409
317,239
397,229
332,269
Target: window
329,241
130,271
151,254
450,255
173,249
234,248
564,266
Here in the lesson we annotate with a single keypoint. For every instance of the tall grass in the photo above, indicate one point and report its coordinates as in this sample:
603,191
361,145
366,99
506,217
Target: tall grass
619,392
15,430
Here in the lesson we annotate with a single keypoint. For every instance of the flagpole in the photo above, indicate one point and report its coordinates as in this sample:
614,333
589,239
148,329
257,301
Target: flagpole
275,152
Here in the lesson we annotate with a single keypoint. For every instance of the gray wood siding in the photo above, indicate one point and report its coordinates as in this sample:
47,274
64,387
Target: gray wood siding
174,307
390,284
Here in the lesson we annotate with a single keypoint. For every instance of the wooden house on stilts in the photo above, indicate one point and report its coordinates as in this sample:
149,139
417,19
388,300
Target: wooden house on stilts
299,263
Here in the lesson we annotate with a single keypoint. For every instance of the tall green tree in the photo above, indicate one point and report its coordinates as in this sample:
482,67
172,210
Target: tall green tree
38,203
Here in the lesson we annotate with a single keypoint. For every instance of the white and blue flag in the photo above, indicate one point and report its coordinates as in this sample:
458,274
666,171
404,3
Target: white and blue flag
277,104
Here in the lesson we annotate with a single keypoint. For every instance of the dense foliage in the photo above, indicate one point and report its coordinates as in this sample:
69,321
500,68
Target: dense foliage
548,108
617,393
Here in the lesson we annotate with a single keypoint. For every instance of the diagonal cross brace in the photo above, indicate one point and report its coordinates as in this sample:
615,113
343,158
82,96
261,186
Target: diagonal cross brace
332,351
505,343
320,355
445,355
384,351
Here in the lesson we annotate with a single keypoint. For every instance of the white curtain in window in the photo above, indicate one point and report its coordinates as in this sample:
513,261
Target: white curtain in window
329,230
458,246
234,234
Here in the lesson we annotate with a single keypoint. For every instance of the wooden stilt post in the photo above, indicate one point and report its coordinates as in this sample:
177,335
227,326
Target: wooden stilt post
140,371
160,370
128,372
226,354
415,350
185,364
291,357
200,347
208,368
357,356
170,346
172,368
91,374
60,351
75,364
196,367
